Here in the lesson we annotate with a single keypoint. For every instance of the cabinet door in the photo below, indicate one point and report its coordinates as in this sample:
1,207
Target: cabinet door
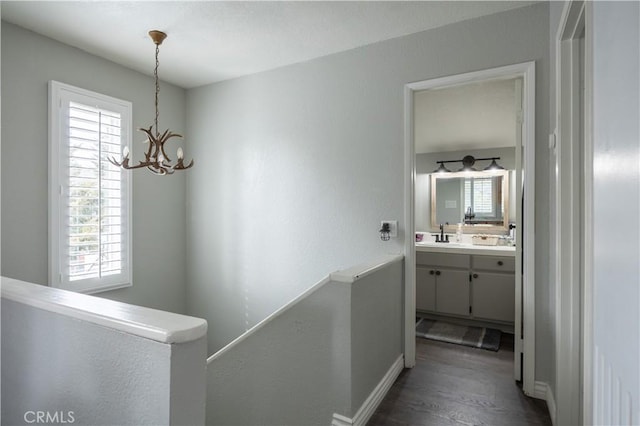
425,289
452,292
493,296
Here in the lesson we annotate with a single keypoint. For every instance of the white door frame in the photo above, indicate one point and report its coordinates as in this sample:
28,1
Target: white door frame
574,245
526,228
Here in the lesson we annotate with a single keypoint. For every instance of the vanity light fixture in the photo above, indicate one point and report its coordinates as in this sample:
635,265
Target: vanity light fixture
494,165
156,159
467,164
442,168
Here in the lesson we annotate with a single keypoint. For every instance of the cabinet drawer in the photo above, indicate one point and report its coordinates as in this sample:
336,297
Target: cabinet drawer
443,259
494,263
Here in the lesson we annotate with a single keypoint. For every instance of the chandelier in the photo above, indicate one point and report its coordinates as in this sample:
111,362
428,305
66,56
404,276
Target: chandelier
156,159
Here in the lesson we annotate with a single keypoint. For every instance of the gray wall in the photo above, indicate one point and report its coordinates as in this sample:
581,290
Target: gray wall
307,159
616,201
426,164
29,61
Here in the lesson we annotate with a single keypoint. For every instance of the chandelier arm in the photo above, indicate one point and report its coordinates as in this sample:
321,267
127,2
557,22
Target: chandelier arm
150,139
157,171
165,137
181,166
142,164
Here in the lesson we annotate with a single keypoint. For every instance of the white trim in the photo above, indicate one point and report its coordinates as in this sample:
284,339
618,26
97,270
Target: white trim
572,401
543,391
374,399
527,71
356,273
518,343
528,229
161,326
58,94
540,390
588,249
410,232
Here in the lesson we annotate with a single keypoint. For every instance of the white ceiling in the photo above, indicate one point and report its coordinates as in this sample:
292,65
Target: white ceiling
467,117
210,41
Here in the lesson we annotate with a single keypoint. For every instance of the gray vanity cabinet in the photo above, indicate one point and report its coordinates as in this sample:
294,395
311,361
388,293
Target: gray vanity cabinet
442,283
472,286
493,288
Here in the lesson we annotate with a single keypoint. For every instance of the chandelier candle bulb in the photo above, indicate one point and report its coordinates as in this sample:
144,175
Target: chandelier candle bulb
180,153
125,152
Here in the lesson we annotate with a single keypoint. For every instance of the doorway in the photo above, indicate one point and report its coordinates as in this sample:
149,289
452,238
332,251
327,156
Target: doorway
524,324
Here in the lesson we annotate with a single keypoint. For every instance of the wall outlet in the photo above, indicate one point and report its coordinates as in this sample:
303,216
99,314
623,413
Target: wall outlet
393,227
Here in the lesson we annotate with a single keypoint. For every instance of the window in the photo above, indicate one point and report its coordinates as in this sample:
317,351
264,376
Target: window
89,198
478,194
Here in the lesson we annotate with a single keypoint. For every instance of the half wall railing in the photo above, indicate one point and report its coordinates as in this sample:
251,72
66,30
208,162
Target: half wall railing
326,357
79,359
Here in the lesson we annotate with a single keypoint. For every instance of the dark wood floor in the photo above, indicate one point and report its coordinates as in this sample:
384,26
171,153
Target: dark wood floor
457,385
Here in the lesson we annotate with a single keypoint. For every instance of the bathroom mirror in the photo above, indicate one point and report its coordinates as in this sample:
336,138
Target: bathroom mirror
479,200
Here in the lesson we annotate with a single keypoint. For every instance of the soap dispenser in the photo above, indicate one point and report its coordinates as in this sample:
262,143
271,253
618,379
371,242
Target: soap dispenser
459,233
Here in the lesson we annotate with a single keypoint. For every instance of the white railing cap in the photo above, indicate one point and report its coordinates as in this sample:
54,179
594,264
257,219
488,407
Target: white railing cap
355,273
161,326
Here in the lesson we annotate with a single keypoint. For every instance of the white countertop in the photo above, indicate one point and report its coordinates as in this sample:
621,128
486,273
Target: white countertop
463,248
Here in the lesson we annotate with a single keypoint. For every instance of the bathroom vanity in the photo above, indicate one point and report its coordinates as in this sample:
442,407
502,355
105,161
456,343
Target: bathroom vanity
466,281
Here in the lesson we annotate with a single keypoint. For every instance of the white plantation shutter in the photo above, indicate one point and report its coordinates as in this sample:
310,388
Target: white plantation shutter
90,232
478,194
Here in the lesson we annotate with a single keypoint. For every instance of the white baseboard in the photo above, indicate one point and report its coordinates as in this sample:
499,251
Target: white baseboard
542,390
369,406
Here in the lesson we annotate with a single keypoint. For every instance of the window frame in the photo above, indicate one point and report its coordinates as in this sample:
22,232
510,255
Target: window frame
59,93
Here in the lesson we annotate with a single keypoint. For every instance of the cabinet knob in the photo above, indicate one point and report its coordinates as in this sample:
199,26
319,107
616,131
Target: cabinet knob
437,272
431,272
500,263
475,275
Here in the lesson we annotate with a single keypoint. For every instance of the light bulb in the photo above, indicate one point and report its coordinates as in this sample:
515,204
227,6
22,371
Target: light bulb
160,158
180,153
125,152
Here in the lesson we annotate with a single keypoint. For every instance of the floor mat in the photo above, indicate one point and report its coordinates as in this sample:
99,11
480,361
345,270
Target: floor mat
477,337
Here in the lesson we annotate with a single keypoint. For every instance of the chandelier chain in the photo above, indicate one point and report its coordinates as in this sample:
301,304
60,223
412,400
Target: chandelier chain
155,73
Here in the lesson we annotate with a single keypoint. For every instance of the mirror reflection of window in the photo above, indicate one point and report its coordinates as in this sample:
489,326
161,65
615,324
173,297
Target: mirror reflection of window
478,194
476,199
484,196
